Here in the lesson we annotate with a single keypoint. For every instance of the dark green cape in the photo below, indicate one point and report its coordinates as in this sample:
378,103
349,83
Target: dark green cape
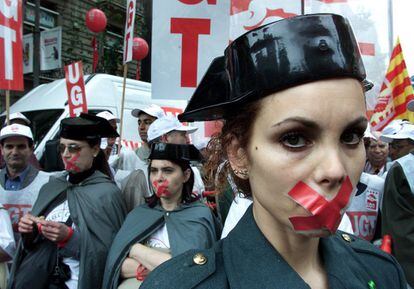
97,209
246,260
189,226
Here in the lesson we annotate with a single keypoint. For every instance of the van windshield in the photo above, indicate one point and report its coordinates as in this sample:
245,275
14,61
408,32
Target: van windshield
41,122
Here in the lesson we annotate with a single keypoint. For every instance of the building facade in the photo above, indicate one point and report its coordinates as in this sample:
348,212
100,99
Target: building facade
76,38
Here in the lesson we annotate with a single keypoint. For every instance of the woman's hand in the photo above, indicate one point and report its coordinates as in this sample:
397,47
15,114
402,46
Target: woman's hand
54,231
26,223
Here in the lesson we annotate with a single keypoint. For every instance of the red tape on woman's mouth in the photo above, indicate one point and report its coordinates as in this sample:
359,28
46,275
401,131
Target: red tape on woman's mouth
70,164
325,214
161,189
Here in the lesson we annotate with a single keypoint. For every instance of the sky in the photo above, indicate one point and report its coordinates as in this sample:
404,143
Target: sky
403,27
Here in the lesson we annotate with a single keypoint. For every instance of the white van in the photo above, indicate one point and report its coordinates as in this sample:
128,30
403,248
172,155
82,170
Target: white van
47,104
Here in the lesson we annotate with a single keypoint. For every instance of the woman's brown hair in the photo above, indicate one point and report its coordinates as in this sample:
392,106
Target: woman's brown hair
238,125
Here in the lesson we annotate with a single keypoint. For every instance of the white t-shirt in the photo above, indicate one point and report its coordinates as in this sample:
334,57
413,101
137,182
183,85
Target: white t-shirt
61,214
159,239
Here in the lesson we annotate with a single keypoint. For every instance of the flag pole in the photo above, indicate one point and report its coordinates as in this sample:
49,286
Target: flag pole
122,108
8,107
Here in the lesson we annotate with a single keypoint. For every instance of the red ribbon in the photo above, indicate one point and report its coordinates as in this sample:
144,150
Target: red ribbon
70,164
325,214
94,44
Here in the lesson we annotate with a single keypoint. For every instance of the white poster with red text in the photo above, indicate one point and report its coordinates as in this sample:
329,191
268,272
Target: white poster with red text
129,30
11,51
246,15
370,21
186,36
76,89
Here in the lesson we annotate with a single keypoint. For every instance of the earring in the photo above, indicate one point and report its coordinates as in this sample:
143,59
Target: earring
242,173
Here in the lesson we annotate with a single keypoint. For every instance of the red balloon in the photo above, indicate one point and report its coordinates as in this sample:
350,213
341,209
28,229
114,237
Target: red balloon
139,48
95,20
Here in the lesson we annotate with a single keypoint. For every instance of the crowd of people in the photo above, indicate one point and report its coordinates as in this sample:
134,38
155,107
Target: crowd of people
304,190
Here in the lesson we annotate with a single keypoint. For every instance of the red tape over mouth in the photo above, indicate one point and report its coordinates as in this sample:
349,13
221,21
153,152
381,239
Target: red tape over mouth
325,214
70,164
161,189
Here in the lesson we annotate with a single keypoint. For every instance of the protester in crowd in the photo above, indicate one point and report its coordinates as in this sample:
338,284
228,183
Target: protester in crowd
109,145
146,116
398,204
67,235
20,118
168,129
292,96
170,223
20,181
377,154
400,138
7,245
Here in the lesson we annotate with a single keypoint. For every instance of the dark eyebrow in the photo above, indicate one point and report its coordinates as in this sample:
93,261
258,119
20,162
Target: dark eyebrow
360,121
302,120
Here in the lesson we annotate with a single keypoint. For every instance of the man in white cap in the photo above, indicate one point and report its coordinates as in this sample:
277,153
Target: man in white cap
169,129
146,116
398,203
109,145
377,154
20,182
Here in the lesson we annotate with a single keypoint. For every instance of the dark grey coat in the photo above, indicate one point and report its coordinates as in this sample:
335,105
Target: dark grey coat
189,226
246,260
97,209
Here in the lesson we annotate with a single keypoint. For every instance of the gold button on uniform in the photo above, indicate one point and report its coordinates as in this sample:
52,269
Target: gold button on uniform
346,237
199,259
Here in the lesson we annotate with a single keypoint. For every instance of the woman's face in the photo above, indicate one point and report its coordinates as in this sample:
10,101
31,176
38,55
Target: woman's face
306,135
167,179
77,155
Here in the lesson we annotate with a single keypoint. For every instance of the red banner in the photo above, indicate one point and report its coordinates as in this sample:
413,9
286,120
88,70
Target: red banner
76,88
129,30
11,37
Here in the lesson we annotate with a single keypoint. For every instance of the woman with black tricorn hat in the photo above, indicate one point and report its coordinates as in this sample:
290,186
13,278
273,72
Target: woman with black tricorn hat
171,222
66,237
294,118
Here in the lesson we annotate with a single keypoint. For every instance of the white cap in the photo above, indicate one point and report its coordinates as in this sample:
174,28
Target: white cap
398,130
108,116
152,110
166,124
16,130
18,115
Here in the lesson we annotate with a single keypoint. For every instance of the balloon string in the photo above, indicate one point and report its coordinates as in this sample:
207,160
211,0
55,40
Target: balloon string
95,53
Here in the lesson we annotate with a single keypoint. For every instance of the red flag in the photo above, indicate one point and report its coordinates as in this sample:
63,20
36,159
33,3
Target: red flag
395,93
76,89
11,51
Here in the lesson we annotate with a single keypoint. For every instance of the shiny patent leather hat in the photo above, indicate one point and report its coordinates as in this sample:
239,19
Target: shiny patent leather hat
86,126
167,151
274,57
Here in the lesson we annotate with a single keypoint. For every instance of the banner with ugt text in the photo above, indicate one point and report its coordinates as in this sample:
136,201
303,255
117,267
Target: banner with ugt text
76,89
11,62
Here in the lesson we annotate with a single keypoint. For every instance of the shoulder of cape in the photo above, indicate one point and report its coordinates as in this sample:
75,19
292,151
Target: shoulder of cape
188,270
363,247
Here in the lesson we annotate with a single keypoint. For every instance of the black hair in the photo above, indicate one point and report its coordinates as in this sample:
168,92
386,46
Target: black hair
187,195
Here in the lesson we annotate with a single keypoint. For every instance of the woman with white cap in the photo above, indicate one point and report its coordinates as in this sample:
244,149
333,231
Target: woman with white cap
292,96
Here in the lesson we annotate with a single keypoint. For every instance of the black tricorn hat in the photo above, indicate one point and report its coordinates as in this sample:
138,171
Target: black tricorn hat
274,57
167,151
86,126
